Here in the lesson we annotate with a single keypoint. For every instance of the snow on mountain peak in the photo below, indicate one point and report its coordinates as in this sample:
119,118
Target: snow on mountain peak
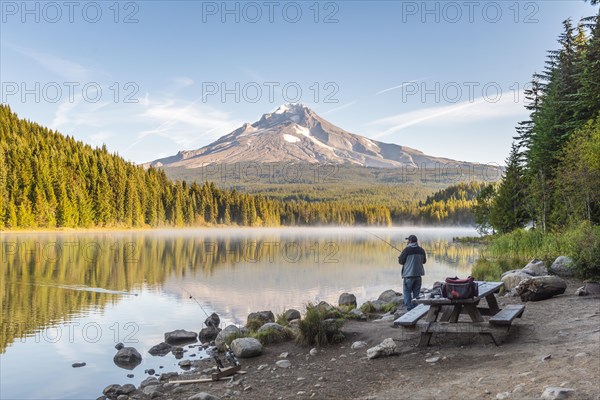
294,108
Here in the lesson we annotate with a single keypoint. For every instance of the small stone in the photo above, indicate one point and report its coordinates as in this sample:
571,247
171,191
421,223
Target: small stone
260,367
185,363
78,365
556,393
358,345
583,354
432,359
486,391
119,346
503,395
300,379
130,375
518,388
203,396
313,352
283,363
284,355
301,393
549,356
122,397
150,371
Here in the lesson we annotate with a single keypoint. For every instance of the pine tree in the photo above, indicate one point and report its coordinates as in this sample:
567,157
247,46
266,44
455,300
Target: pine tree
508,210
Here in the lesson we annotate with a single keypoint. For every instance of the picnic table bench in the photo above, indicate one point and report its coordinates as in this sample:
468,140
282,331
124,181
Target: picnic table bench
442,314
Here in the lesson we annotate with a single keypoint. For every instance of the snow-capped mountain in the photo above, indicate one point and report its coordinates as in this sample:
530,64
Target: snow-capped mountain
293,132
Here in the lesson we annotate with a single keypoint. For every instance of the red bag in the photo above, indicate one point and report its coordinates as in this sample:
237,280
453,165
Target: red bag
456,288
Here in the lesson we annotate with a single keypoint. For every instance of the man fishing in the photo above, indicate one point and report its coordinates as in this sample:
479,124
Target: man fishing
412,259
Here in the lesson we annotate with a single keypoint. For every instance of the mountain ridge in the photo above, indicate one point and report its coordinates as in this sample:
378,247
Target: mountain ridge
295,133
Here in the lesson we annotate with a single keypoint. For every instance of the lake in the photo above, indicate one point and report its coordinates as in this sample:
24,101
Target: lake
70,297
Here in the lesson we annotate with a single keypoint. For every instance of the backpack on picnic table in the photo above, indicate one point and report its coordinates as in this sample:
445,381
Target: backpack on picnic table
456,288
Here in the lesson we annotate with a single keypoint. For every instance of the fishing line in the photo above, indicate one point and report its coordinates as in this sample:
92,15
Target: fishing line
193,298
383,240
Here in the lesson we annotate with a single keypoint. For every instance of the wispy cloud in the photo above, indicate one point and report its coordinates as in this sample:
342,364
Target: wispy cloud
460,113
185,123
340,107
404,84
65,68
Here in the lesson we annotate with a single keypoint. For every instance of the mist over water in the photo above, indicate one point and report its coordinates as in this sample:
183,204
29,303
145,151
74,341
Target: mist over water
69,297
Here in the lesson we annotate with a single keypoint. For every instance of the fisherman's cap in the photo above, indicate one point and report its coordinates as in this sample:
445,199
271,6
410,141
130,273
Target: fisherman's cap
412,239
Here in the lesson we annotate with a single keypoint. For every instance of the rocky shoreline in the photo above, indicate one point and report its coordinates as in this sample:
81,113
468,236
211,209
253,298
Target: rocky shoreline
278,359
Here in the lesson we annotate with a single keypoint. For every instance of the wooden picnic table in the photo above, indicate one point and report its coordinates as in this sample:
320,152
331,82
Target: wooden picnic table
442,314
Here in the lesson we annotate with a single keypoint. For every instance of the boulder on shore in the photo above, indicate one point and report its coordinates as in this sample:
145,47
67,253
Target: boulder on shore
391,296
213,320
292,314
512,279
540,288
347,299
270,326
562,266
180,336
257,319
536,267
246,347
222,337
385,348
208,334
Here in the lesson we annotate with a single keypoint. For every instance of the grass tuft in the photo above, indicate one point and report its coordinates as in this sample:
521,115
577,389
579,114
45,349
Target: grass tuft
316,329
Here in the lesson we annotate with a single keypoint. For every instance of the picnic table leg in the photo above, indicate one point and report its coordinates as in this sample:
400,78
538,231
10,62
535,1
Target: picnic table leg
432,315
473,312
455,313
446,313
492,304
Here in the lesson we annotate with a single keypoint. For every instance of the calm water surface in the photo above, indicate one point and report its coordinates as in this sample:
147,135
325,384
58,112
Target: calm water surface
70,297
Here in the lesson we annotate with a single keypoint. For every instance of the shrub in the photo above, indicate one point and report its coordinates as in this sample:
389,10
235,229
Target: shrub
389,307
281,319
254,323
314,328
368,308
513,250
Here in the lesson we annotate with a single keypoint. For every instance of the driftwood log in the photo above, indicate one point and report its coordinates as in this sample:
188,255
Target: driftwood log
541,288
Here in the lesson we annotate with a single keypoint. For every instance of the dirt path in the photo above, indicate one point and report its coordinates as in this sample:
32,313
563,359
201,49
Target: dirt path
565,328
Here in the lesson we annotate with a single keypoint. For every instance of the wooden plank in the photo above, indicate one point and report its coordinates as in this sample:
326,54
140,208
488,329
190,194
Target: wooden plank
508,314
458,327
411,317
206,380
225,372
486,288
201,380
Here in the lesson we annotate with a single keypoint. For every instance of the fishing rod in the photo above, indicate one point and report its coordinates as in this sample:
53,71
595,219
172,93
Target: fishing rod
383,240
193,298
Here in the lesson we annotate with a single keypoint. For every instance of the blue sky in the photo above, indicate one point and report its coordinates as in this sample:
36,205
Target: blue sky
149,78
